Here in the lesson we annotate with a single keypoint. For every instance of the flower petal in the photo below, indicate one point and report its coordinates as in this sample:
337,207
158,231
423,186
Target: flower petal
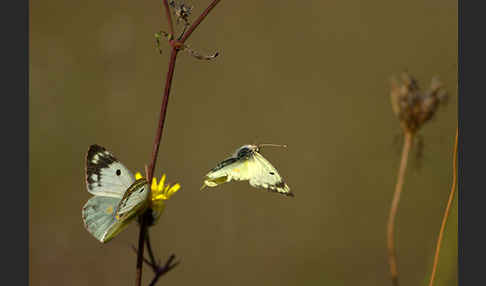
154,184
161,197
173,189
161,183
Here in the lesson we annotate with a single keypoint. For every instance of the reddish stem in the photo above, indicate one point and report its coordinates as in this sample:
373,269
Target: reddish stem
141,239
155,152
169,17
199,20
163,111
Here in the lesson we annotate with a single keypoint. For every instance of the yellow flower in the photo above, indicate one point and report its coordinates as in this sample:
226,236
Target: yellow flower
159,194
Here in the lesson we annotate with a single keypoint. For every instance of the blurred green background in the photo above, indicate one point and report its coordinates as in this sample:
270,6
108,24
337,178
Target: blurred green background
310,74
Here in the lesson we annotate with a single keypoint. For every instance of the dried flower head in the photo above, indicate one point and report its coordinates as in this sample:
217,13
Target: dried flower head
181,10
414,106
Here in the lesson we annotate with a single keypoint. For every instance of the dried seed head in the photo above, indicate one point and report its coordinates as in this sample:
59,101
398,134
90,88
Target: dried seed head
413,106
181,10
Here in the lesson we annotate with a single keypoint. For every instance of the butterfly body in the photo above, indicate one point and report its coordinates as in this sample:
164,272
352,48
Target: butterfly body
118,196
247,163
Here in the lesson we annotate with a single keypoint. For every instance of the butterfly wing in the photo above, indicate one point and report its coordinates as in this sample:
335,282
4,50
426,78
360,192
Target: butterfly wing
105,175
99,218
227,170
264,175
254,168
134,201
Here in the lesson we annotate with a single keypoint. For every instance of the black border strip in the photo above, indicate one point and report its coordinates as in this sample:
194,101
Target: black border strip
472,144
15,160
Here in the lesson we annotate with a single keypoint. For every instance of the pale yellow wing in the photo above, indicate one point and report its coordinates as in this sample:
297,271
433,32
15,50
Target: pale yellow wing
256,169
264,175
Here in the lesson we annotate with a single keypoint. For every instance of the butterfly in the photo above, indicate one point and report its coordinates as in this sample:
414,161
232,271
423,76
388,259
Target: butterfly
118,196
247,163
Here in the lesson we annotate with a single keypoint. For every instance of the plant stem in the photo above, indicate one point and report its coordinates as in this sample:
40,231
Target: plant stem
169,17
141,240
151,253
392,257
155,152
446,212
158,137
161,271
163,112
199,20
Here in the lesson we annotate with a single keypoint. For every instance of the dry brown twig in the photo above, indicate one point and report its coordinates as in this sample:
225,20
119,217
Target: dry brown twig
394,207
176,46
413,107
446,212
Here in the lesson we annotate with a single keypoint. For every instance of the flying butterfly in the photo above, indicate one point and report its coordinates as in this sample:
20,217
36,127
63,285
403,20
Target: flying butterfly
118,196
247,163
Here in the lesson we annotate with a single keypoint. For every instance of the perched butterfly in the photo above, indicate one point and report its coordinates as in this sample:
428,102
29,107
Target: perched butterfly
118,196
248,164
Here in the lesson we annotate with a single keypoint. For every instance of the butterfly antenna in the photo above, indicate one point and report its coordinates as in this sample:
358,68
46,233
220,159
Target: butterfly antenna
272,145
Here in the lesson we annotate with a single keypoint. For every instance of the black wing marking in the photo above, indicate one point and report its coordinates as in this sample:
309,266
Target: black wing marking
93,166
224,163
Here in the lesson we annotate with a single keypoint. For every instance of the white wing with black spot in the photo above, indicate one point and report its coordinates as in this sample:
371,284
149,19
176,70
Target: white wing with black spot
105,175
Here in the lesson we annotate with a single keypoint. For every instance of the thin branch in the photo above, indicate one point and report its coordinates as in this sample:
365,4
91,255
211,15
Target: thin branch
199,20
392,257
169,17
163,111
151,253
155,152
158,138
183,31
162,270
446,212
148,262
159,271
141,239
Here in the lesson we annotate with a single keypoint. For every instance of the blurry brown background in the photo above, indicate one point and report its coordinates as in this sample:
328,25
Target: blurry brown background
310,74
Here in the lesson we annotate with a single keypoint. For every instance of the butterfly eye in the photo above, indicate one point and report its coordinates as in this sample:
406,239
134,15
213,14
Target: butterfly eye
272,173
118,172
